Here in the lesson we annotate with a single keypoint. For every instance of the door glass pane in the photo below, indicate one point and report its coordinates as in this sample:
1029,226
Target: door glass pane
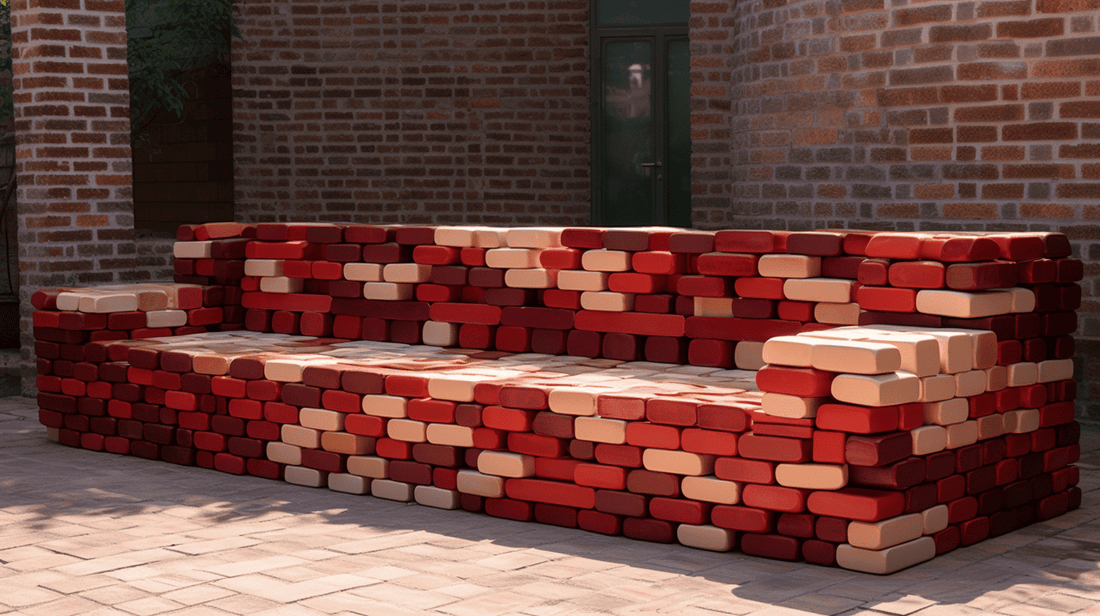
678,129
628,132
641,12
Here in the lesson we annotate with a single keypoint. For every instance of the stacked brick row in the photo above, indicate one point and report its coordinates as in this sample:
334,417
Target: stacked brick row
874,447
708,299
68,323
655,452
929,443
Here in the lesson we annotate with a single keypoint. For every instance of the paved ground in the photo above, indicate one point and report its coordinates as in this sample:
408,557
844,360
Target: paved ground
94,533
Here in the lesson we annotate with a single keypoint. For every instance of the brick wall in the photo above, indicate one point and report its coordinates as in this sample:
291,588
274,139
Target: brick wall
450,112
72,152
183,166
885,114
713,29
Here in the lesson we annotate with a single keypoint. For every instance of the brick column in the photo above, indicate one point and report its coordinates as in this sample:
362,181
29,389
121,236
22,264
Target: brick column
72,126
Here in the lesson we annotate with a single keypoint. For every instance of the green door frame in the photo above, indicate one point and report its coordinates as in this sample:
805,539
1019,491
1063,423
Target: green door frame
661,35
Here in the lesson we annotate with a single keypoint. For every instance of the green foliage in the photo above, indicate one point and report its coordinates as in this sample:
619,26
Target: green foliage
166,40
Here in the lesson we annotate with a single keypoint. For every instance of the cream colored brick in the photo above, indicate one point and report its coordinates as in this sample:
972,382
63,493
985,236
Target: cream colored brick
385,406
677,462
996,378
791,407
1023,374
512,258
450,435
306,438
392,490
952,411
812,476
962,304
928,439
603,260
284,453
577,401
534,237
936,388
441,334
363,272
794,351
837,314
876,389
855,357
710,489
706,537
534,278
350,484
263,268
971,383
192,250
321,419
1053,370
505,464
409,273
165,318
431,496
607,301
789,266
886,561
886,533
748,355
828,290
934,519
580,280
302,476
600,430
407,430
478,484
962,434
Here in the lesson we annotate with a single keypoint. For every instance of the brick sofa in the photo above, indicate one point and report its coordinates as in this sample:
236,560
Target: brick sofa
867,400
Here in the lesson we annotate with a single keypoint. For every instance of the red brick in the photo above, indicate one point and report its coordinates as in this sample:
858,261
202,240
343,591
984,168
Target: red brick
990,113
1034,28
1079,109
1039,131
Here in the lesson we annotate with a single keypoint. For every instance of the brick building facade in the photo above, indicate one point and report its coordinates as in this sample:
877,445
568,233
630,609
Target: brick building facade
866,114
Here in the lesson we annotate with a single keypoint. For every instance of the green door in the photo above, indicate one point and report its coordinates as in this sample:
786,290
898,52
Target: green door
641,128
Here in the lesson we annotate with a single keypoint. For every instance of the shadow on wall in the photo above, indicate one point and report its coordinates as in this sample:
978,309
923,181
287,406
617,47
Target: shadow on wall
9,251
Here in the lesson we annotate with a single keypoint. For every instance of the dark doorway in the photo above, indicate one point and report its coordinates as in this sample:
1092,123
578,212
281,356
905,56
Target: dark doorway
641,128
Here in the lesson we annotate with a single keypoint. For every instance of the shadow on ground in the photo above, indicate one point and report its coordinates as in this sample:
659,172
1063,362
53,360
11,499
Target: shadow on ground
44,482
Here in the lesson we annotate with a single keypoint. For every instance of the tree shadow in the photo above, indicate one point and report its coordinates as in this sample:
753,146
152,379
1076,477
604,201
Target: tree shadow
47,483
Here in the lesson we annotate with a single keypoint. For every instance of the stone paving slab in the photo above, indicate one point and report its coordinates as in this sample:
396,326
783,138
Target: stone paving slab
93,534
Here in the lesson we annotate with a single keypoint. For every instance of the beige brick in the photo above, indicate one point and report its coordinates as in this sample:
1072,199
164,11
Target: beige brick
710,489
351,484
886,561
706,537
302,476
677,462
505,464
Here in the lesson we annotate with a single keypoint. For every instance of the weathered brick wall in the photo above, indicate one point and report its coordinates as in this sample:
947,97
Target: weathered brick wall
713,29
885,114
72,121
450,112
183,166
